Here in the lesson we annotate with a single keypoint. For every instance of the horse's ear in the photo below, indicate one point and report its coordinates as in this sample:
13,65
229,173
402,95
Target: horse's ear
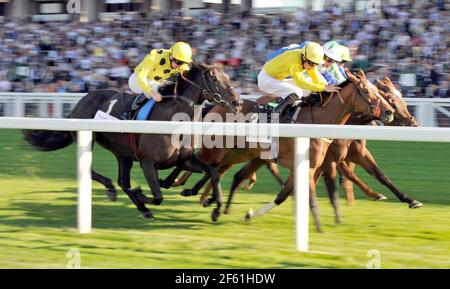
351,76
361,72
381,83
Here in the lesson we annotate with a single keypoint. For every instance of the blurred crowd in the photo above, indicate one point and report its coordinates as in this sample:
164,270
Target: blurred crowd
409,42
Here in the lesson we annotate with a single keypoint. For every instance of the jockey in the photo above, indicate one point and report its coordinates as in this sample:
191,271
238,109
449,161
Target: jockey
157,66
272,78
345,55
333,58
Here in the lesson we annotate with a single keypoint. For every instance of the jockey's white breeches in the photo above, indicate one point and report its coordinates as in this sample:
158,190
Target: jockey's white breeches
134,87
280,88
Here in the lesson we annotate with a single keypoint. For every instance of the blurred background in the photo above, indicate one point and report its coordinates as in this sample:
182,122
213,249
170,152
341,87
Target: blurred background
45,48
51,56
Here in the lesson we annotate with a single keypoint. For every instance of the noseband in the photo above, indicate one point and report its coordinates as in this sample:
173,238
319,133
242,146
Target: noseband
373,110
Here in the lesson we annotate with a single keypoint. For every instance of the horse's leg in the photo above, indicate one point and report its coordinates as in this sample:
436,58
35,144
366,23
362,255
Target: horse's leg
250,168
367,161
194,191
281,197
196,164
125,165
204,201
181,181
168,182
351,176
151,175
112,192
250,183
329,176
347,185
314,175
273,168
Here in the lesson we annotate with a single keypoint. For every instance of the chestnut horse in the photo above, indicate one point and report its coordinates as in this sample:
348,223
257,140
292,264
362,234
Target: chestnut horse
357,95
343,155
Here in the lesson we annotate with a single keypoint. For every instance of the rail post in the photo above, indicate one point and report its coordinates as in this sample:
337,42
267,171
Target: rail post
301,187
84,163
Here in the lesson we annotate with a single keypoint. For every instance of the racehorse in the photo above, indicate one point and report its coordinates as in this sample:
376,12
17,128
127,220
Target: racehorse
344,154
357,94
200,83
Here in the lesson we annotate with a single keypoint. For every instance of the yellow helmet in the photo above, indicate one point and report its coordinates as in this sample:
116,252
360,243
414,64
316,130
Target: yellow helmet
345,53
182,51
313,51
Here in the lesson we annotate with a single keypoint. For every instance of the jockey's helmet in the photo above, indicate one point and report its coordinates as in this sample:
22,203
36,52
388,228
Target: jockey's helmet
313,52
332,50
345,53
182,51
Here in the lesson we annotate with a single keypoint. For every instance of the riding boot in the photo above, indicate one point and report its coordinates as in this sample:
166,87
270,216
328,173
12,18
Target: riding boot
286,102
137,103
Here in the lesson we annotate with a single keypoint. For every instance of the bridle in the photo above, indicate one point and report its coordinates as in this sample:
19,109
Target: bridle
373,110
209,93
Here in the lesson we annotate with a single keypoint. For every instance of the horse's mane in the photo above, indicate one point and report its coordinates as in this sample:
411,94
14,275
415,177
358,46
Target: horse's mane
167,87
326,94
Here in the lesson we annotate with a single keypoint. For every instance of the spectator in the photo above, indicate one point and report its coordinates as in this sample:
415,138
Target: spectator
410,41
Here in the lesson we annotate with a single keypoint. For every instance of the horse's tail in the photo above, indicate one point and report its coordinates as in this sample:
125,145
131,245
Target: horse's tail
46,140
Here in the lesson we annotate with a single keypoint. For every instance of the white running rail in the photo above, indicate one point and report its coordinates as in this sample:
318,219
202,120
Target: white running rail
430,112
302,133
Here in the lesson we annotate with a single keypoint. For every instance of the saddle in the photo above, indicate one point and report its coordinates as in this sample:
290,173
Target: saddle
289,115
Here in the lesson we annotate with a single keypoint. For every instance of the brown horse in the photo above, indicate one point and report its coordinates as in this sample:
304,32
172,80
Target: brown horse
153,151
357,94
343,155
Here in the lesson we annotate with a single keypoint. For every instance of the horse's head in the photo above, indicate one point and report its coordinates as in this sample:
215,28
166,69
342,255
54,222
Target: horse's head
214,85
367,99
394,97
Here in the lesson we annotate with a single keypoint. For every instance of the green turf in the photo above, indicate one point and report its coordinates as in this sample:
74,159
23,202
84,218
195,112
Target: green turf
38,218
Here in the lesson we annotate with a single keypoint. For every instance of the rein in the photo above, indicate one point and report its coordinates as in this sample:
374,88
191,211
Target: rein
373,109
215,96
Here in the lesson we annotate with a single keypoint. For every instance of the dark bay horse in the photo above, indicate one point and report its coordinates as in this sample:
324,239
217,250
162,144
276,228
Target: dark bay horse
153,152
356,95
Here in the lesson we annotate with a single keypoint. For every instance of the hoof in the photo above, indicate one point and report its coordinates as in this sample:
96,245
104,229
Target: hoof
226,211
249,215
112,194
206,203
186,193
148,216
247,187
319,229
380,197
143,198
215,215
415,204
176,183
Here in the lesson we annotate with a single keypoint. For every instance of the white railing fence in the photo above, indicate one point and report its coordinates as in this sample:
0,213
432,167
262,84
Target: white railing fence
302,133
430,112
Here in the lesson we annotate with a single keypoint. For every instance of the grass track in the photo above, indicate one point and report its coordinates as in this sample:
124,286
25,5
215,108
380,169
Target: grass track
38,218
